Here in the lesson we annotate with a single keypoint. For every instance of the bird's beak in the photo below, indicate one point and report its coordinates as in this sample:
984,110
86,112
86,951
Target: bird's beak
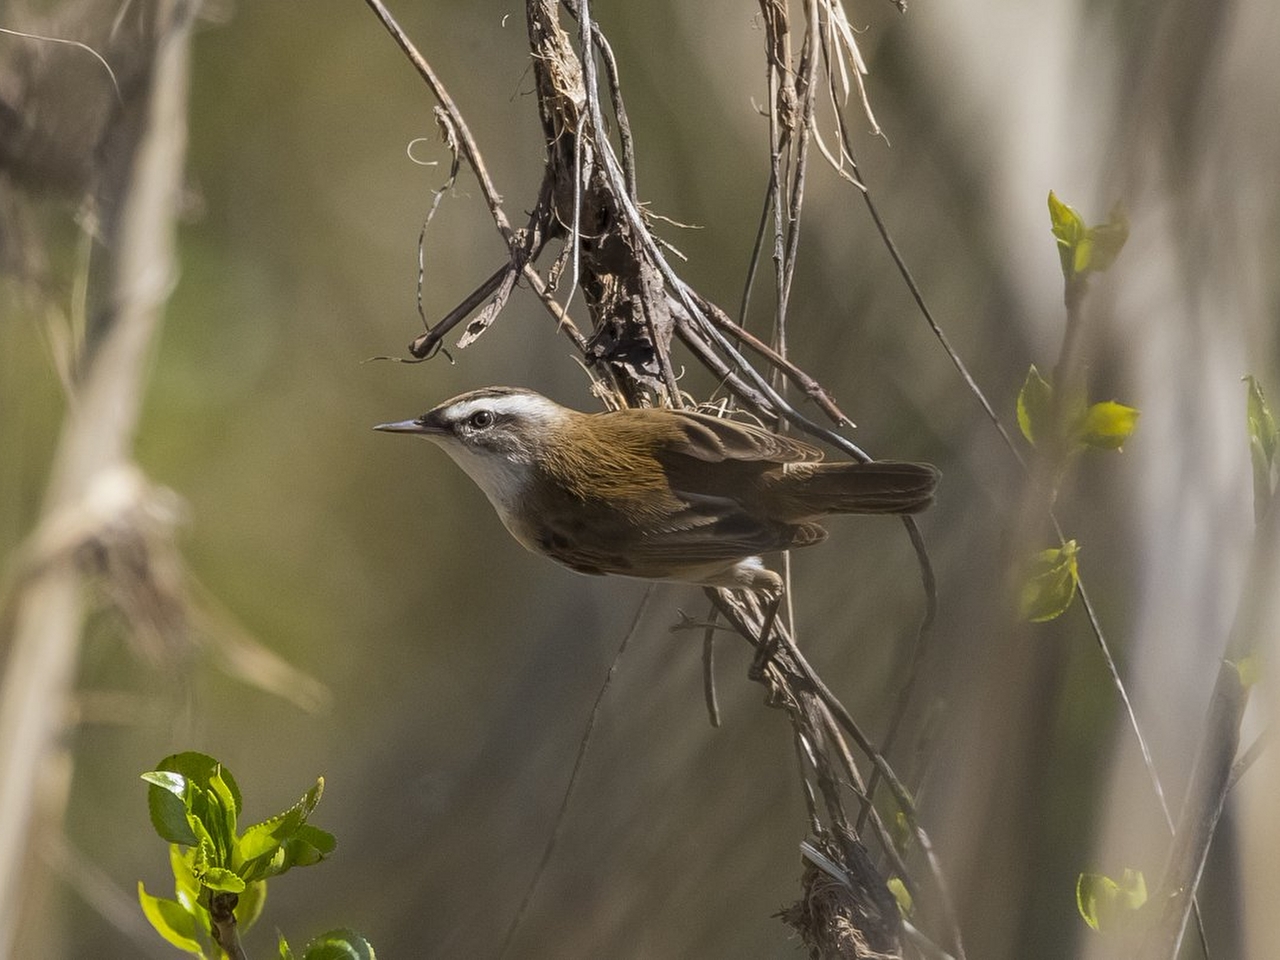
423,425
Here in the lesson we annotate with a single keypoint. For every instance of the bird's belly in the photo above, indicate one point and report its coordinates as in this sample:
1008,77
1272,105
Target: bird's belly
601,547
587,545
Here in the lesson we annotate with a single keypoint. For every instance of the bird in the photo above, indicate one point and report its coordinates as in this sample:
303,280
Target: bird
657,493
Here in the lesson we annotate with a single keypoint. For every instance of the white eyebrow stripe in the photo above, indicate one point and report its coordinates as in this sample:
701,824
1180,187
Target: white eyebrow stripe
520,405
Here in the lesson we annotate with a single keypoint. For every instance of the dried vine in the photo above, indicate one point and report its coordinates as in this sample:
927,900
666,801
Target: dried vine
637,304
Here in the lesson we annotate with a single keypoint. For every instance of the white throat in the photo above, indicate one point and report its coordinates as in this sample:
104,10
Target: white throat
502,481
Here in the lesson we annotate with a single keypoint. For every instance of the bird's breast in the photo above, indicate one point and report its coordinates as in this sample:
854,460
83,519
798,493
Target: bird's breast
504,483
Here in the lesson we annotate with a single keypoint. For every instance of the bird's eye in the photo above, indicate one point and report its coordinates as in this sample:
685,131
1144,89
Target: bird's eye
481,419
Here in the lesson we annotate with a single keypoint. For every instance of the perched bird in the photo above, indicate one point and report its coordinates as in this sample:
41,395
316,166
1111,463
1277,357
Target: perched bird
656,493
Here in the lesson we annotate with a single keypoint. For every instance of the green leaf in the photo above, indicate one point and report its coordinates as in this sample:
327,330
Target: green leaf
308,846
1094,892
1263,442
1049,585
1248,668
188,890
1083,254
902,895
902,833
285,952
1068,226
1106,425
222,880
1262,485
224,807
1104,903
171,921
339,945
1133,889
167,804
201,768
205,821
1106,240
271,847
186,886
1035,405
1083,249
206,862
250,905
179,794
321,841
175,783
1262,425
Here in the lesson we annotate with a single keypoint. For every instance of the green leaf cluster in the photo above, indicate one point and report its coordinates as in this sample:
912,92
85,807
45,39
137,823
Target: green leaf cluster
1061,423
1263,443
1050,582
1084,249
195,805
1099,426
1109,905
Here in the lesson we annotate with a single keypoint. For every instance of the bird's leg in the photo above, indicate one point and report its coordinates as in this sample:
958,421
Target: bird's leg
767,642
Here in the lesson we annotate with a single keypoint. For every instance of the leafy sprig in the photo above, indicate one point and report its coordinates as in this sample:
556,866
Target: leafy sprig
220,872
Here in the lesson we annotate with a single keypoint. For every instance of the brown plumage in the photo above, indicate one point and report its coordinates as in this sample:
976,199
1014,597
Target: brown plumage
659,494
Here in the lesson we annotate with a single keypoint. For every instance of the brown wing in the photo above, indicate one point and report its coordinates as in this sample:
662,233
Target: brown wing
718,528
714,439
714,533
706,530
707,464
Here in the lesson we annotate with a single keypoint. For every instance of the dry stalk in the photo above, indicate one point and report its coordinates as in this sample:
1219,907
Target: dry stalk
45,624
103,523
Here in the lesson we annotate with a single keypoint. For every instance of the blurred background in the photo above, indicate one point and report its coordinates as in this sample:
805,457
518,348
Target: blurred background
460,669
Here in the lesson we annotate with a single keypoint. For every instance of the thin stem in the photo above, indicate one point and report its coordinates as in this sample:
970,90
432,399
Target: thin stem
801,138
622,196
709,669
807,384
560,819
615,99
466,141
918,296
920,648
977,393
1249,757
757,247
111,75
222,919
845,721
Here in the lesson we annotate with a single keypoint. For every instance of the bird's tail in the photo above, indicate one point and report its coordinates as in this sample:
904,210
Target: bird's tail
881,486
